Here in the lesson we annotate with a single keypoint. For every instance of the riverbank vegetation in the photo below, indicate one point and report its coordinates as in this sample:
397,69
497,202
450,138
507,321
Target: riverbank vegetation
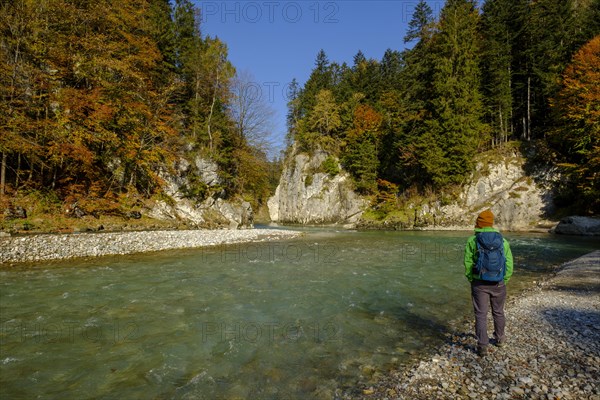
100,99
472,80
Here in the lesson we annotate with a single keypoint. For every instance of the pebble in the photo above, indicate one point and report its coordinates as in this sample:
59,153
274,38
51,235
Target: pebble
62,246
544,358
517,390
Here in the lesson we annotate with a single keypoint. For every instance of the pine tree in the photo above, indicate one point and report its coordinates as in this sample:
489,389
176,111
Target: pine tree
293,114
406,125
455,120
320,79
163,31
417,75
590,21
364,77
498,39
390,70
421,23
551,51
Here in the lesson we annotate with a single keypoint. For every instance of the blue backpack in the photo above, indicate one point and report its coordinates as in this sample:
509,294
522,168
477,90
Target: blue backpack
490,265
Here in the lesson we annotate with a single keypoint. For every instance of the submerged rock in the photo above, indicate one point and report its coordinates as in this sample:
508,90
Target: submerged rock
576,225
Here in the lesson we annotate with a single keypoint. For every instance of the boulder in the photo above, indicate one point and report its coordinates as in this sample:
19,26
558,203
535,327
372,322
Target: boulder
577,225
134,215
15,213
75,211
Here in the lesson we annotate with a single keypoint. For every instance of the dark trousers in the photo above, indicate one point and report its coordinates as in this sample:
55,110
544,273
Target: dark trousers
484,294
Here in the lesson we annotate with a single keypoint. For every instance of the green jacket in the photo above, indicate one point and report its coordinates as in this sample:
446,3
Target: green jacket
471,256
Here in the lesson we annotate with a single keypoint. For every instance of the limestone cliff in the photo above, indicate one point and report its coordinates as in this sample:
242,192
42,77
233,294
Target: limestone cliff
519,200
213,211
308,194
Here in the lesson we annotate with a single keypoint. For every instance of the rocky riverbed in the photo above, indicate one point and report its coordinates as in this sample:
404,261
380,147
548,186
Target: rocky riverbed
62,246
553,349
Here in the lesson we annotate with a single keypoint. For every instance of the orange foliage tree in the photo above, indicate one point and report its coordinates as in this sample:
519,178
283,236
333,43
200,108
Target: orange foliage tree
577,134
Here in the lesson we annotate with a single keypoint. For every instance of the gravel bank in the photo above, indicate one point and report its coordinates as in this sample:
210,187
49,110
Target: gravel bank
53,247
553,349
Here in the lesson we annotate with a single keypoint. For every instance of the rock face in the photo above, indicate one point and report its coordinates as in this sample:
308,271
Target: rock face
519,201
213,211
583,226
307,194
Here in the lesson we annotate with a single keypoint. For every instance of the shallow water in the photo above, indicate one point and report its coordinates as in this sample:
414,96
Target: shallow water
279,320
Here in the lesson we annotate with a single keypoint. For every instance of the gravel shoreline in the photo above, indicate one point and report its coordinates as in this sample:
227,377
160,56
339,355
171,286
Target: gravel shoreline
552,351
48,247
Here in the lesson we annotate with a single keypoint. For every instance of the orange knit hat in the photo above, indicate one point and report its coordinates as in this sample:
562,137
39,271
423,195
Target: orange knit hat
486,218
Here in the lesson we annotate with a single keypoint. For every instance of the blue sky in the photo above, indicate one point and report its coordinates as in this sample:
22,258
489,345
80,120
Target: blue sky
277,41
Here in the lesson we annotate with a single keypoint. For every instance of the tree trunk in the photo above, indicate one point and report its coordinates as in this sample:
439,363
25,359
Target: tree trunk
528,137
212,107
502,128
3,173
18,171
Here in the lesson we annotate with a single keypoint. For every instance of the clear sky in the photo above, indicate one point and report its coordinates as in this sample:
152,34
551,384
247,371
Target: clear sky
277,41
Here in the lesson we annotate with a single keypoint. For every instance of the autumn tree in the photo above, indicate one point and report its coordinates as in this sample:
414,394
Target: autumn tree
252,117
360,157
577,135
97,96
325,116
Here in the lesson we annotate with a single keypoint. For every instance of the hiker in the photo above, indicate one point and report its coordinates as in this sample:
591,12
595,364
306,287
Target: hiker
488,266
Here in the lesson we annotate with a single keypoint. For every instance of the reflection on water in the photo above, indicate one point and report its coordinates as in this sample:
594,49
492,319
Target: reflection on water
291,319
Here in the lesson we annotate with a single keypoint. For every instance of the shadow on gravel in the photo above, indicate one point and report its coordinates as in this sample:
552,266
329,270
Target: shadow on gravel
580,328
464,340
579,288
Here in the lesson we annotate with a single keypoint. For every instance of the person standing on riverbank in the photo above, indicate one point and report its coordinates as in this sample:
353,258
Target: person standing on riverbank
488,267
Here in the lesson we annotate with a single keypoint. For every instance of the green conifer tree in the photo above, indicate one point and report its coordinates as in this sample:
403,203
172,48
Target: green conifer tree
456,109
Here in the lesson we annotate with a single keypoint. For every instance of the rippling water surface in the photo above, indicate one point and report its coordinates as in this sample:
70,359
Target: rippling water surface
274,320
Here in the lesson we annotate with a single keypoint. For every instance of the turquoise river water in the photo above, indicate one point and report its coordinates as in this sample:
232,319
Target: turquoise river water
293,319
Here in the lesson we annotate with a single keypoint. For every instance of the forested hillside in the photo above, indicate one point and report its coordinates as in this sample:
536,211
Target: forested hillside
471,80
99,98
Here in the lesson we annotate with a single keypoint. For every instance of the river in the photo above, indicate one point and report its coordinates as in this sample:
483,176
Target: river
293,319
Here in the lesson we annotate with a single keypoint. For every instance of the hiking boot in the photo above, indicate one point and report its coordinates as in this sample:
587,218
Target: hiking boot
482,351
